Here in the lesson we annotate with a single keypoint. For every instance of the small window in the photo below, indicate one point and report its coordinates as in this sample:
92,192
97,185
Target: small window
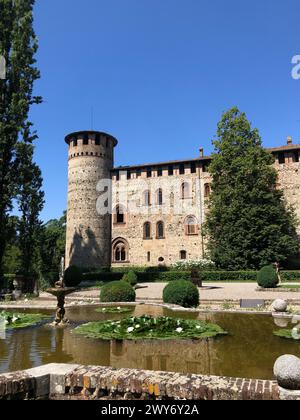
75,142
147,198
161,259
159,197
85,140
138,173
148,256
120,251
191,226
193,167
159,172
296,156
204,167
119,216
171,170
118,176
149,173
181,169
147,230
160,230
185,190
207,190
281,158
128,175
183,255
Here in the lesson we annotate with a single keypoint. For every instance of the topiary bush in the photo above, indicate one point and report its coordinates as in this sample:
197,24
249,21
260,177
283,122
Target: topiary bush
117,291
183,293
267,277
72,276
130,278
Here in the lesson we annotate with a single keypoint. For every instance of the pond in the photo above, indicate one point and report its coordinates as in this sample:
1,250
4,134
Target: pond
249,351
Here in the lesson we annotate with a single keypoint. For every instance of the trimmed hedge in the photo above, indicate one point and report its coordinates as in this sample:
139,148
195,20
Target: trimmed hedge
182,293
117,291
142,277
206,276
267,277
130,278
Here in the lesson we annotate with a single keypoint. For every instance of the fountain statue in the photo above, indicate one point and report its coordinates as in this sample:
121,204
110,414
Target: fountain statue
60,292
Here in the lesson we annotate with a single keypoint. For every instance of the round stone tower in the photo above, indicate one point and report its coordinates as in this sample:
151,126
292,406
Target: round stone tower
89,234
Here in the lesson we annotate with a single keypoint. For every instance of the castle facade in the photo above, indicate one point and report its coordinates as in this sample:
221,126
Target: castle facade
145,215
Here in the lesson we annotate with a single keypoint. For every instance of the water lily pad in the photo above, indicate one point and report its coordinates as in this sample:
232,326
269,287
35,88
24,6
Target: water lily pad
14,320
115,310
147,327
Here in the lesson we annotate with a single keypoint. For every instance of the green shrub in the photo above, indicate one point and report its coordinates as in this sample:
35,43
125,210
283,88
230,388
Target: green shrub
130,278
72,276
290,276
267,277
48,279
117,291
183,293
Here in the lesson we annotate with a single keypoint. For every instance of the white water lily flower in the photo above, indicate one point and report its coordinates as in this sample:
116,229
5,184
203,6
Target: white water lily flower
104,309
137,326
179,330
15,318
119,308
130,329
198,327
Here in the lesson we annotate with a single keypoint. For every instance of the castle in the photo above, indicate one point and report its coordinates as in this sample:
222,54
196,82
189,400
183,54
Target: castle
148,214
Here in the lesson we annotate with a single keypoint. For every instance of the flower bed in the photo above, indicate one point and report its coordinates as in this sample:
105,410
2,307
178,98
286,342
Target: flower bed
114,310
18,320
147,327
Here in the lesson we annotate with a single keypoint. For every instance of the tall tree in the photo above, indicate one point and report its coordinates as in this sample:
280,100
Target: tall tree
30,199
18,46
248,222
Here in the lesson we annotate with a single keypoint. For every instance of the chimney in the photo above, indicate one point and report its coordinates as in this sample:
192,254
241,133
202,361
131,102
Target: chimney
201,152
289,140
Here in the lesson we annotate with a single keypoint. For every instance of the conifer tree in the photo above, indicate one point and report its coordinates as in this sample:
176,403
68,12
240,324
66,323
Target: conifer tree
248,222
18,46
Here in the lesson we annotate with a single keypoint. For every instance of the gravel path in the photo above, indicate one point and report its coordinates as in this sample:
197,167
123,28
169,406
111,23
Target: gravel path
212,292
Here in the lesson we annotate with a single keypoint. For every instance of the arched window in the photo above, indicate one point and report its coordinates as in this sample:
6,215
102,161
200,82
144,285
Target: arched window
183,255
147,198
207,190
160,230
120,251
119,215
147,230
159,197
191,225
185,190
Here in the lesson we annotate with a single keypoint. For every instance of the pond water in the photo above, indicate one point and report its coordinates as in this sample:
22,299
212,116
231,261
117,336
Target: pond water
249,350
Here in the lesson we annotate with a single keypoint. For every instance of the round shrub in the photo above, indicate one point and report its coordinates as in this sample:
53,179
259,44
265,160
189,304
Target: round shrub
267,277
183,293
72,276
117,291
130,278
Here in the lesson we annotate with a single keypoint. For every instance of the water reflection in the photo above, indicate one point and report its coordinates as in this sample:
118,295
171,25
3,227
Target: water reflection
250,349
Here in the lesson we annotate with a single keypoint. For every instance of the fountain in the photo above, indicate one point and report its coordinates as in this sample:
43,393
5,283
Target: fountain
60,292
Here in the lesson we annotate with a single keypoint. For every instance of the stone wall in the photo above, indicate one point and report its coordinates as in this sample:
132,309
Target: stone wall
58,381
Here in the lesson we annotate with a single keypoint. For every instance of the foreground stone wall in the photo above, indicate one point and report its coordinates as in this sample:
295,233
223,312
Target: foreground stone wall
59,381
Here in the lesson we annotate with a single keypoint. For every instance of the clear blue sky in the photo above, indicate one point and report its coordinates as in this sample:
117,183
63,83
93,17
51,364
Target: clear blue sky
158,74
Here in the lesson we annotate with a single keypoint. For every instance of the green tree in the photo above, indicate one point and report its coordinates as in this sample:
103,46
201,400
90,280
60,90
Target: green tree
18,45
52,244
248,222
30,199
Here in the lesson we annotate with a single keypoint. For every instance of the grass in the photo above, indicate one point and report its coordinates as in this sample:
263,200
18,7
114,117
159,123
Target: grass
19,320
147,327
290,286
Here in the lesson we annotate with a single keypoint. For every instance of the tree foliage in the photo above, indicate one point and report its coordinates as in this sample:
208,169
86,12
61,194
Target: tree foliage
18,45
248,223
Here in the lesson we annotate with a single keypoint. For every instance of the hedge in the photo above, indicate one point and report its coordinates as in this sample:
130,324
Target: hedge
206,276
143,277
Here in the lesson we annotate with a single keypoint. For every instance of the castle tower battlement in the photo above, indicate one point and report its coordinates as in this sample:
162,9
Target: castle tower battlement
90,160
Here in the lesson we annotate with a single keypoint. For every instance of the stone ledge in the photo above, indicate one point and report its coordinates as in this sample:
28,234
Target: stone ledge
60,381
